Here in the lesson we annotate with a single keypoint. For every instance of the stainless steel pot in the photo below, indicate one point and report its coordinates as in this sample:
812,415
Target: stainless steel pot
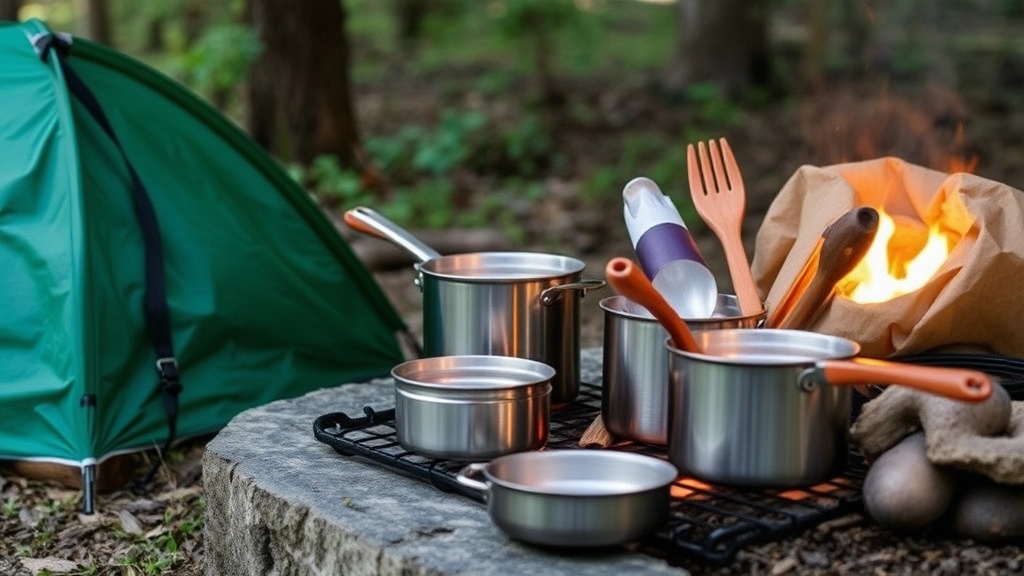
634,398
770,407
523,304
472,407
579,498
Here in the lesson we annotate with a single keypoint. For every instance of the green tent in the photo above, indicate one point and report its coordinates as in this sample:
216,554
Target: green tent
137,224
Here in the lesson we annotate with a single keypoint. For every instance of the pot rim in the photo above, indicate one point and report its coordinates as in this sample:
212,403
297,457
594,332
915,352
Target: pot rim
511,267
663,471
773,347
616,305
471,372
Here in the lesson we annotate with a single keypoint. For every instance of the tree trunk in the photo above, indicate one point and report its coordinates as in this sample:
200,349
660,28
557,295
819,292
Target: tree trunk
155,35
94,20
9,9
195,16
300,103
722,42
817,44
409,15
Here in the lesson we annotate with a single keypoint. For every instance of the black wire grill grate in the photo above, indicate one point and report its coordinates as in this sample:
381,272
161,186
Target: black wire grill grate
707,523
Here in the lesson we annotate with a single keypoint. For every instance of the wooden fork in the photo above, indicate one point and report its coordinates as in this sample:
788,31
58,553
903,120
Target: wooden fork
720,199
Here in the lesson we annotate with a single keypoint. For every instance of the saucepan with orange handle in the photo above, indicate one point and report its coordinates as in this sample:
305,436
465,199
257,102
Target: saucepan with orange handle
771,407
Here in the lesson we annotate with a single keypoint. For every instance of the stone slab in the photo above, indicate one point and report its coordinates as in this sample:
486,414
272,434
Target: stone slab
280,502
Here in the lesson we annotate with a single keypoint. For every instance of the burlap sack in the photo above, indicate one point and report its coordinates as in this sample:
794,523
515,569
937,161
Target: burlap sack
975,298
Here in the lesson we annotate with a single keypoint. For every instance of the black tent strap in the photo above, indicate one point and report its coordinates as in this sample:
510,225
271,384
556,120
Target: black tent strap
158,317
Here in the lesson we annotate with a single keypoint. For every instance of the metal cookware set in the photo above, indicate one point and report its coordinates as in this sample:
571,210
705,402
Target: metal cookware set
733,402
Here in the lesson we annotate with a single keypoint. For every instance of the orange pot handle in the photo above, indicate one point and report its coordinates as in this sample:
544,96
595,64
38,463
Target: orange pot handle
956,383
355,219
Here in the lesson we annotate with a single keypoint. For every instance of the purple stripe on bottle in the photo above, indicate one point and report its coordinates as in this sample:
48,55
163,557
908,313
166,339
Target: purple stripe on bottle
665,243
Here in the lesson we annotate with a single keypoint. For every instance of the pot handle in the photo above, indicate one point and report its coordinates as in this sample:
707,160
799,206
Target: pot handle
551,295
463,477
956,383
373,223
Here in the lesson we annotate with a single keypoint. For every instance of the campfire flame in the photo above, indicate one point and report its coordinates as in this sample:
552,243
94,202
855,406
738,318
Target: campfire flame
891,268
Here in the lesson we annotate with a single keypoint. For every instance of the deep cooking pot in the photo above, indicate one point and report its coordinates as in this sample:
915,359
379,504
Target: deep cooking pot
634,396
771,407
578,498
472,407
523,304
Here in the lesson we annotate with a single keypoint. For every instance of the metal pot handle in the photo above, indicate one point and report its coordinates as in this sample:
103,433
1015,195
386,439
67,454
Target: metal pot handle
551,295
464,477
372,223
956,383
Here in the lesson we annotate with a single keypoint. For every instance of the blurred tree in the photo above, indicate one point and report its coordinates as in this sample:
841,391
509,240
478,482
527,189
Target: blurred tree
409,15
724,42
9,9
536,25
817,44
300,103
155,30
93,18
195,17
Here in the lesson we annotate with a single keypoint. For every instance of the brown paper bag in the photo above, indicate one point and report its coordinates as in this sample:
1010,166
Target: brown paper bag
976,298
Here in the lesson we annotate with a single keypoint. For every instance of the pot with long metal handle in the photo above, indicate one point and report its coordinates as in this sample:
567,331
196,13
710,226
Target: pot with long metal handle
522,304
771,408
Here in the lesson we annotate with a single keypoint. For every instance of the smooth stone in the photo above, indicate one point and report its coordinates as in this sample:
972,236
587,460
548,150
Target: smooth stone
280,502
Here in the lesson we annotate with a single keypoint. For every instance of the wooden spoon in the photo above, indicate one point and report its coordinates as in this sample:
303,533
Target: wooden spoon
627,279
840,248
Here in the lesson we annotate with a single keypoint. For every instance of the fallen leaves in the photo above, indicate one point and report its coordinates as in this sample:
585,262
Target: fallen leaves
43,531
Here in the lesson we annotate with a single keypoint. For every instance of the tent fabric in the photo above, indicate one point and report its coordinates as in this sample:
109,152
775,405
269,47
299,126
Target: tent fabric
266,299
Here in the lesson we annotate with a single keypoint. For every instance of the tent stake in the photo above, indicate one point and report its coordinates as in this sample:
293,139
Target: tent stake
88,486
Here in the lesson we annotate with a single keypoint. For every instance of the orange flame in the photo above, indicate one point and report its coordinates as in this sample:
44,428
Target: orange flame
892,267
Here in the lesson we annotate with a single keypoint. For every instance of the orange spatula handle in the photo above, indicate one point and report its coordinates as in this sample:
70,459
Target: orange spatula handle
627,279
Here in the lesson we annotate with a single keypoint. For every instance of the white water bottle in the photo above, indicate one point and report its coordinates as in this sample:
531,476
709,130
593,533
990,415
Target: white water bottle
668,254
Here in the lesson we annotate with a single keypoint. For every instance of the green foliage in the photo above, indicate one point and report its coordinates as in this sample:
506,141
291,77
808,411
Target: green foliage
158,551
712,105
450,145
338,185
416,150
649,154
527,145
10,507
428,204
423,166
220,59
525,18
493,82
543,31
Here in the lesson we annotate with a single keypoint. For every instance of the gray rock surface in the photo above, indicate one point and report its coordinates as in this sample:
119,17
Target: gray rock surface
279,502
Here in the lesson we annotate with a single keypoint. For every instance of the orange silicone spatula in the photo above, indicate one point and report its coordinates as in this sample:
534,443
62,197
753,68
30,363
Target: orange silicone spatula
627,279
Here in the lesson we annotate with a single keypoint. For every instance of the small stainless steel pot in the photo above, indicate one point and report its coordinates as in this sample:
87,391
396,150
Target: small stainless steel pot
771,407
577,498
472,407
523,304
634,398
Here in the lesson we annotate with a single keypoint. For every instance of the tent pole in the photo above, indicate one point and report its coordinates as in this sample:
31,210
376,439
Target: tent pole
88,487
